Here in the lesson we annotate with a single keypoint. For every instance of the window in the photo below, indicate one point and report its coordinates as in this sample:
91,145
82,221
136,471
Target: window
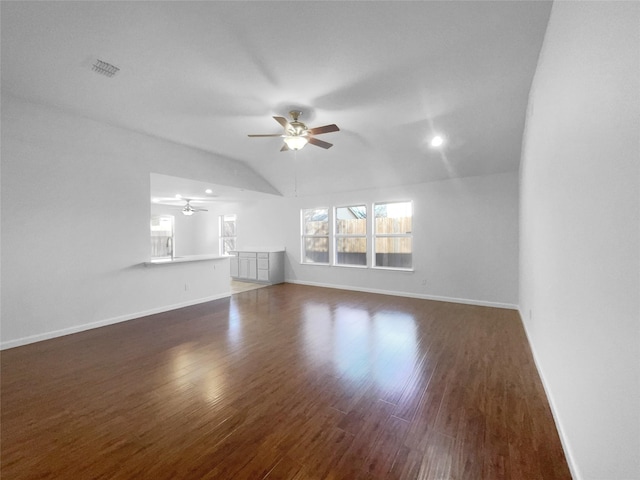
162,237
392,238
315,235
227,234
351,235
354,239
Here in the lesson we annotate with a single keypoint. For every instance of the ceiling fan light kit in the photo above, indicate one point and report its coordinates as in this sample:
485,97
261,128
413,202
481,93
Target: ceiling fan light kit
295,142
296,134
189,210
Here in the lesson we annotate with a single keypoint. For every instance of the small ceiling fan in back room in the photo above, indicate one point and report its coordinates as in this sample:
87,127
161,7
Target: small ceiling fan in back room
296,134
190,210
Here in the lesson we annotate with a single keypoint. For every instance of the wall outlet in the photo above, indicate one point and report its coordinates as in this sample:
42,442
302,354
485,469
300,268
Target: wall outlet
186,287
424,281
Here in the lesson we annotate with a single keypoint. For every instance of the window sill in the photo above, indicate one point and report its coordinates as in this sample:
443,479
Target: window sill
361,267
394,269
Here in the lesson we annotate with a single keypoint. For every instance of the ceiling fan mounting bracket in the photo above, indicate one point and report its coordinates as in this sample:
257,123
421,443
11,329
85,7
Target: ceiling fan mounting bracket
297,128
295,114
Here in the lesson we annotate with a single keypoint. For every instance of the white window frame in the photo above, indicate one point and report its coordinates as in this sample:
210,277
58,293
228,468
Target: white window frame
304,236
338,236
222,236
375,236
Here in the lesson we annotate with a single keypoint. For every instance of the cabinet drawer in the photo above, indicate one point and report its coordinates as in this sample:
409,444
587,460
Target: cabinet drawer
263,263
263,255
247,255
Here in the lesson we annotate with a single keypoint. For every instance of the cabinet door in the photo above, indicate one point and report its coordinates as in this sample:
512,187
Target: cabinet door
243,268
233,263
253,270
247,268
263,275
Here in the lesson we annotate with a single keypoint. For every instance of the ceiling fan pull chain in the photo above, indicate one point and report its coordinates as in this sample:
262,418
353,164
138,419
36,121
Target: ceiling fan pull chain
295,173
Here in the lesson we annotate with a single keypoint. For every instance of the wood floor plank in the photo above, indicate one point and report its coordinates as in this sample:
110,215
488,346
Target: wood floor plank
283,382
384,450
285,469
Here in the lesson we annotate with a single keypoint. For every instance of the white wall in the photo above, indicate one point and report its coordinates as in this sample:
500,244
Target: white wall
261,223
75,223
579,270
465,237
465,234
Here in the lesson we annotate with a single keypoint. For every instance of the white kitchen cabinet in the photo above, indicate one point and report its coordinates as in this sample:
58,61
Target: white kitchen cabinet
258,266
247,266
234,264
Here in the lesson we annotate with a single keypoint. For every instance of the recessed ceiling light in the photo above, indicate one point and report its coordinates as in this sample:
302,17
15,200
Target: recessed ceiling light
437,141
209,191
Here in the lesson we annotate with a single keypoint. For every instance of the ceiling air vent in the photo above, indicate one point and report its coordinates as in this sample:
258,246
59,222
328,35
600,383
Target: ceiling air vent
104,68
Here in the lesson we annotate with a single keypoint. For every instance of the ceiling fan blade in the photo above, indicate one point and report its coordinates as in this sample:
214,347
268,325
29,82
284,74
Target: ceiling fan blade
200,210
284,148
267,135
325,129
320,143
282,121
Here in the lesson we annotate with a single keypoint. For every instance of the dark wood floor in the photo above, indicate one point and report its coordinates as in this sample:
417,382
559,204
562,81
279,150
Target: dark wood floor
284,382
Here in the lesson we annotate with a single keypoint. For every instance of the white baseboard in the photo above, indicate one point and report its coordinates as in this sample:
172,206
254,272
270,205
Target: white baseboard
123,318
568,453
465,301
103,323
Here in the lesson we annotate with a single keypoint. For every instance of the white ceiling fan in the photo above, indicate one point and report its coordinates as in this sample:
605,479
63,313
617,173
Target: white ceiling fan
184,204
188,209
296,134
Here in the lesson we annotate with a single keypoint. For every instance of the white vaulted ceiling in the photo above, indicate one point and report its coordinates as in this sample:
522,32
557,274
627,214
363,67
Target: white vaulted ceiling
206,74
